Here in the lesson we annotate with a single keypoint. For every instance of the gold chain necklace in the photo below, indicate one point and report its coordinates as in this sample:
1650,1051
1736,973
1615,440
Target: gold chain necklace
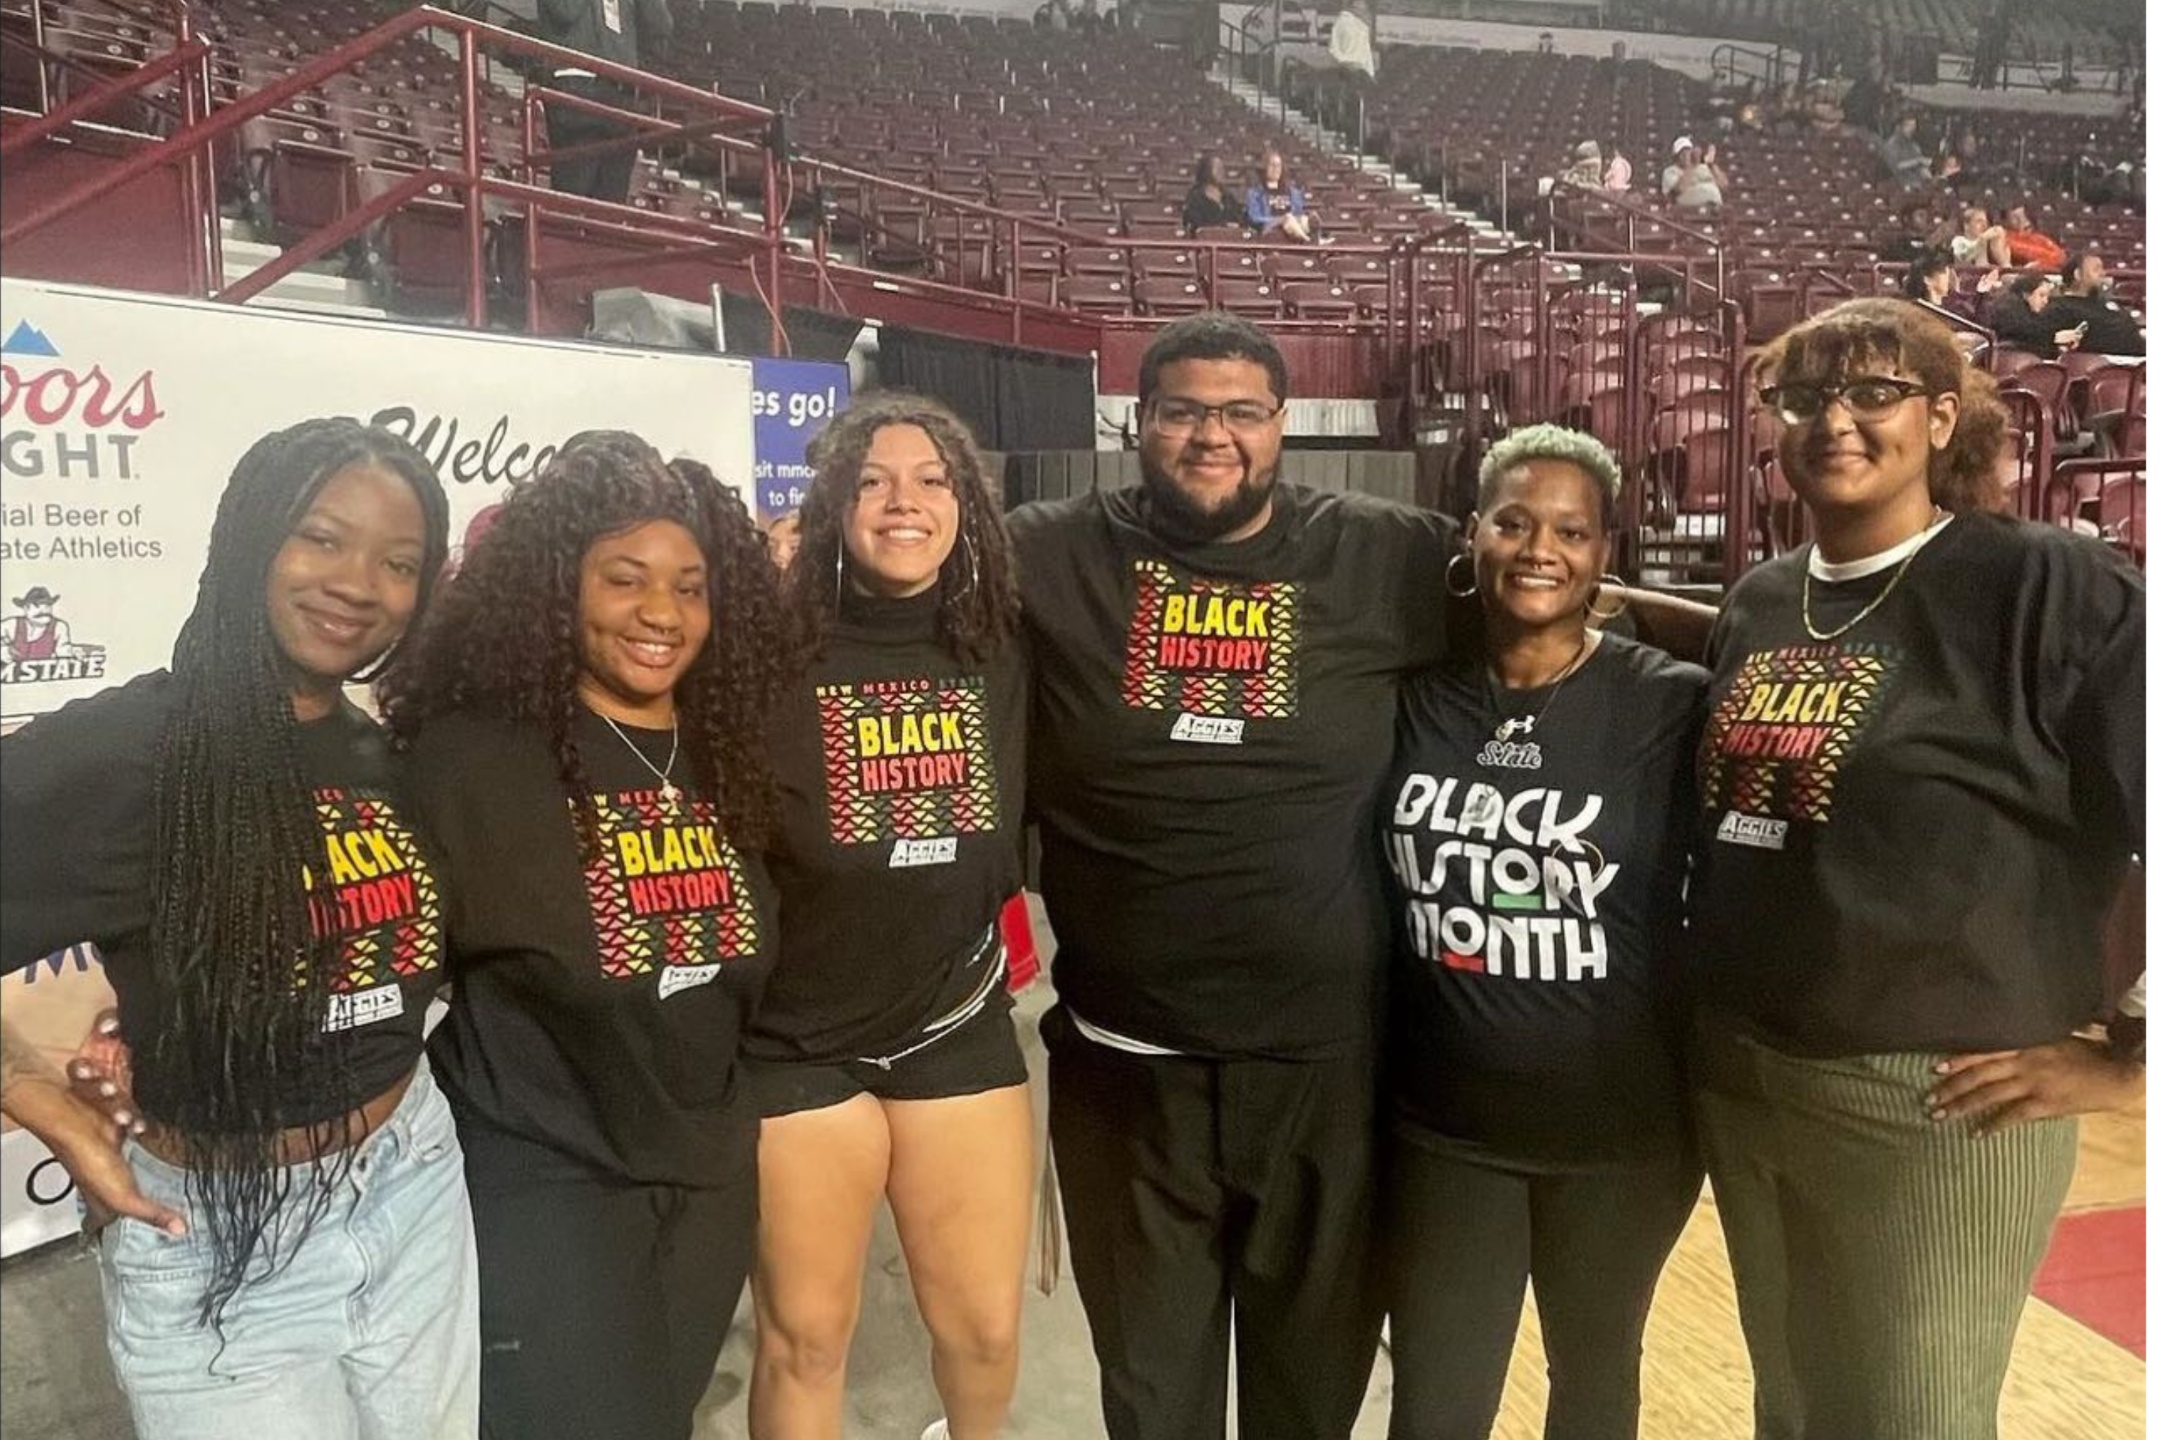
1807,584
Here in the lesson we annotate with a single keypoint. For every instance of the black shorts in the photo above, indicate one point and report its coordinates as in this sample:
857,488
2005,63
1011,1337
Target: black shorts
981,1053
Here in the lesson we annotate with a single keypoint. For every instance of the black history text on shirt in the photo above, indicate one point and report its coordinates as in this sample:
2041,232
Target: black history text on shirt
377,895
1777,740
1217,652
1521,872
908,761
668,892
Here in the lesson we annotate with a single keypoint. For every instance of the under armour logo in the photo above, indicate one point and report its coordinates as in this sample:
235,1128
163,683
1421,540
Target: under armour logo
1509,729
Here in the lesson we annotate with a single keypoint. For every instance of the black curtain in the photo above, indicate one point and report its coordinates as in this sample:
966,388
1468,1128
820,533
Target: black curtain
812,334
1014,400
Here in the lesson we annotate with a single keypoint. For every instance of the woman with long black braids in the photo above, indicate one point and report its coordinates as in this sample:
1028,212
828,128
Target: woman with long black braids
586,716
884,1058
293,1251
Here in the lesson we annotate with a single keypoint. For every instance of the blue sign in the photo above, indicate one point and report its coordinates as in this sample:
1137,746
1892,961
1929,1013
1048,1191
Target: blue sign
790,401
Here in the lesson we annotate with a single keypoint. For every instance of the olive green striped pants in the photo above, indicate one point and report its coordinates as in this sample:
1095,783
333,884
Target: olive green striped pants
1882,1259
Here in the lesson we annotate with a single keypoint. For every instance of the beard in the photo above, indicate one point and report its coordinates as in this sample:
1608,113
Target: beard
1175,516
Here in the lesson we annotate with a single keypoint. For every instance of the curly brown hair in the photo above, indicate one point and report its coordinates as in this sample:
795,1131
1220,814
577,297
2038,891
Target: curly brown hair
1849,338
502,640
978,593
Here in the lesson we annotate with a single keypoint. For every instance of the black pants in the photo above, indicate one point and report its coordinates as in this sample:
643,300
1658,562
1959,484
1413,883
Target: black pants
601,177
1464,1236
603,1303
1202,1194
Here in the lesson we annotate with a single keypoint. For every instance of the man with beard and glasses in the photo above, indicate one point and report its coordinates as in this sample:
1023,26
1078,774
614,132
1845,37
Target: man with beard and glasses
1218,656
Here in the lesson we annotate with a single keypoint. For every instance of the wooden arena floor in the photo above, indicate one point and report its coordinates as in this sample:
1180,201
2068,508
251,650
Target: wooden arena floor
2067,1382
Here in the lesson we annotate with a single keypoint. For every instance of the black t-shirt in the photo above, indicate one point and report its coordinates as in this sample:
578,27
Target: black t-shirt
1201,211
1212,725
1539,878
77,861
2110,329
596,1008
899,772
1912,832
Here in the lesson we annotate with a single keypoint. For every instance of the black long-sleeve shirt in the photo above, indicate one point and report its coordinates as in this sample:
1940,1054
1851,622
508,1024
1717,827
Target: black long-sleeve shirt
77,864
599,1000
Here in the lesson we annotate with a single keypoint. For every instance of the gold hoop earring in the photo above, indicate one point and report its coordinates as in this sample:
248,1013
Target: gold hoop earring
1619,588
1447,578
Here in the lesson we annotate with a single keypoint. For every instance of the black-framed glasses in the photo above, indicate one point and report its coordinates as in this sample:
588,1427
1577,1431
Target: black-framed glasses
1868,397
1174,416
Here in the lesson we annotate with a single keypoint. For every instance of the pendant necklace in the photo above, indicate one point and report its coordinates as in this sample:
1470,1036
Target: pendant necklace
1510,728
670,793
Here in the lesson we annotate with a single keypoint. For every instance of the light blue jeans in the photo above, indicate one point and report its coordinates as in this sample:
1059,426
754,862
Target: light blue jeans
371,1332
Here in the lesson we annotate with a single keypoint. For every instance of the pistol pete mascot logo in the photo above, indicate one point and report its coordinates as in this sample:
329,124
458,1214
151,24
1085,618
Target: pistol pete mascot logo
1217,652
38,645
908,761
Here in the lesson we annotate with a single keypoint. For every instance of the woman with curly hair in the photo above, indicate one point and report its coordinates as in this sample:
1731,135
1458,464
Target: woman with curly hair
586,714
1922,780
884,1058
293,1251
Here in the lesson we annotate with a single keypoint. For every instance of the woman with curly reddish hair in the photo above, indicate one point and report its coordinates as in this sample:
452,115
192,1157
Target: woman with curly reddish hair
884,1058
1922,781
585,716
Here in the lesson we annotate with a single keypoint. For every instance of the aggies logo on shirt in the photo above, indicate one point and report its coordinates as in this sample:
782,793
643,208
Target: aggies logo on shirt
668,892
909,763
1216,652
1777,740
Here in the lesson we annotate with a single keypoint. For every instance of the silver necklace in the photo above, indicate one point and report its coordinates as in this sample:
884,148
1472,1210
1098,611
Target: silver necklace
1509,728
670,793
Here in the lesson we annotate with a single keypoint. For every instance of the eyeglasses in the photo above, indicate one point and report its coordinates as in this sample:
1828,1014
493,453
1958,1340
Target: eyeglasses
1242,417
1871,397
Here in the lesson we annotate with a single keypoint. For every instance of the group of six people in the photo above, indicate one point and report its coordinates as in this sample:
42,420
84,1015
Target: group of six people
1420,937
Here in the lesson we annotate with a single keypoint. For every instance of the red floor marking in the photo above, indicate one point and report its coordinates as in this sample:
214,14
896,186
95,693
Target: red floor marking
2095,1273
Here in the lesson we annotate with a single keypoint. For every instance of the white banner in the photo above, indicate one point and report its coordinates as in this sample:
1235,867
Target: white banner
121,417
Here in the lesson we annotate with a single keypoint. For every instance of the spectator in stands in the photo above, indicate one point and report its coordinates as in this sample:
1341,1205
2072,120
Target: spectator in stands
1619,174
2085,301
2022,319
883,1056
1588,167
1933,280
1211,200
2028,246
1978,242
1825,111
586,716
1540,1120
1886,1039
1914,233
1275,204
1901,152
1693,182
285,1243
783,538
628,32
